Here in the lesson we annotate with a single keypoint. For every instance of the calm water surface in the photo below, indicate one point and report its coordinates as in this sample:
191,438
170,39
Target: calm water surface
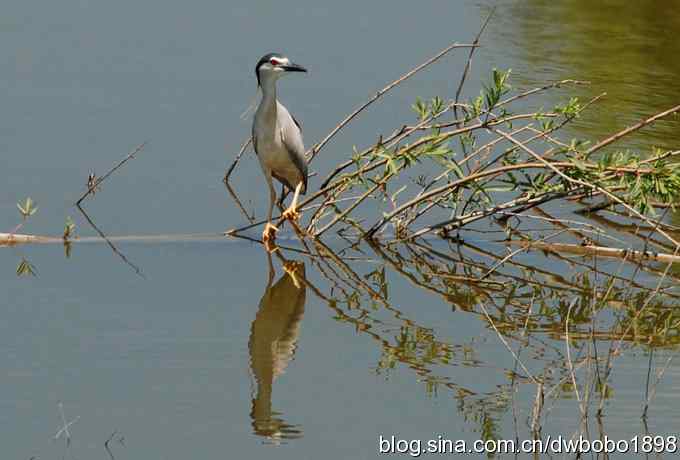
211,354
624,49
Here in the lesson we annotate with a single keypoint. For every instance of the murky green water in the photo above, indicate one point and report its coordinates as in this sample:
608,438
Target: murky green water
207,356
624,49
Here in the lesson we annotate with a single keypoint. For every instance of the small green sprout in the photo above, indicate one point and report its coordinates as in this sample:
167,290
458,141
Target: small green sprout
69,229
27,208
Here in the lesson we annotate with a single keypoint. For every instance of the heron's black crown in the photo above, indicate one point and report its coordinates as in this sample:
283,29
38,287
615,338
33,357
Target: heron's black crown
263,60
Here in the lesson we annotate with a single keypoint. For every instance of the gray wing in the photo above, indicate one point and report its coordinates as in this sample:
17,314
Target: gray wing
292,139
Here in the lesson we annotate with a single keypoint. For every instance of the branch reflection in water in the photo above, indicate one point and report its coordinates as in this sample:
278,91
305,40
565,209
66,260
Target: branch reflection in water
272,344
533,305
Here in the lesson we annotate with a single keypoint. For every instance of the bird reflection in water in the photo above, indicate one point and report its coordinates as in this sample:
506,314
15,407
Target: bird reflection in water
272,344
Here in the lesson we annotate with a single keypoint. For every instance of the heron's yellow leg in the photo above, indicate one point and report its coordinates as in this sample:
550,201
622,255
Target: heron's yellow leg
291,213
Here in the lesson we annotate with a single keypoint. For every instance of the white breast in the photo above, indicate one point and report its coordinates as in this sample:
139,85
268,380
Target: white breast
271,149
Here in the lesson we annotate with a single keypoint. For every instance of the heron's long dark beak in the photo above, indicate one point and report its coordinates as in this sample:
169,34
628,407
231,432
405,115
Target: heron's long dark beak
293,68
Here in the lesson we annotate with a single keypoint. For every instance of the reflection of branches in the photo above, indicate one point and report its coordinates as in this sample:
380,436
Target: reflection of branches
637,231
536,306
408,343
94,184
110,243
481,409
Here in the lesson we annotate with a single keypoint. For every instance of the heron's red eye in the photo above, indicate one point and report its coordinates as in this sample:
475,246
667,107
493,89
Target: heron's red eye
274,61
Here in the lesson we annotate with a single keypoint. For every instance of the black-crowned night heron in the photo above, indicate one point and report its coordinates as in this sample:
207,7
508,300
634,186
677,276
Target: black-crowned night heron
277,139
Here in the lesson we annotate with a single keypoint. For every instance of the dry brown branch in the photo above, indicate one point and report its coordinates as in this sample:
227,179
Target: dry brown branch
592,250
615,137
240,153
10,239
350,208
594,187
466,69
315,150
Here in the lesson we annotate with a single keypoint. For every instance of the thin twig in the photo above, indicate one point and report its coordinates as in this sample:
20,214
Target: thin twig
624,132
466,69
240,153
227,175
95,185
315,150
235,197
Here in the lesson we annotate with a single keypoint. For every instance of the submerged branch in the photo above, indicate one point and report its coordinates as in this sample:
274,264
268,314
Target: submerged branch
592,250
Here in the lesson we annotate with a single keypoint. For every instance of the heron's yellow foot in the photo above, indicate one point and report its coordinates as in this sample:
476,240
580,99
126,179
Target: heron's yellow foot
291,267
269,235
291,214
